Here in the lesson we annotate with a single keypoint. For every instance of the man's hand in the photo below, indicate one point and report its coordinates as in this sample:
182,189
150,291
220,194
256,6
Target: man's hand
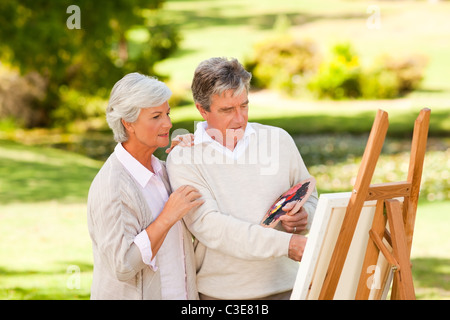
296,218
297,247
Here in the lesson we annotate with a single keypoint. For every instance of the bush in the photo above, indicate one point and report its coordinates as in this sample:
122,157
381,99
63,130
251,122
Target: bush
408,71
343,77
292,66
339,77
77,106
19,97
282,63
379,83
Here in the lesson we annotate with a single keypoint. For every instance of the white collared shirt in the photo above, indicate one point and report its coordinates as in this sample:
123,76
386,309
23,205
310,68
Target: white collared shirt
171,258
201,136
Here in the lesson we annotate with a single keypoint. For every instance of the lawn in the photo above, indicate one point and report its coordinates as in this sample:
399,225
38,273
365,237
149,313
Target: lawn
45,251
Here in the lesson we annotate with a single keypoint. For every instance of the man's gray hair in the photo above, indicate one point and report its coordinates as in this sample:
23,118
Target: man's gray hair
217,75
128,96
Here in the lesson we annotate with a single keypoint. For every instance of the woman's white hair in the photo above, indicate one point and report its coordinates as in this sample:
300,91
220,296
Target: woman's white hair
128,96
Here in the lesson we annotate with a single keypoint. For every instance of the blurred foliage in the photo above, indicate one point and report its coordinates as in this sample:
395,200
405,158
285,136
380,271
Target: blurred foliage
282,63
115,38
293,66
342,76
339,77
391,77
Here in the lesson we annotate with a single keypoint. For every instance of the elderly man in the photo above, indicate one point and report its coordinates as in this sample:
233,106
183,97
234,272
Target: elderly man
240,169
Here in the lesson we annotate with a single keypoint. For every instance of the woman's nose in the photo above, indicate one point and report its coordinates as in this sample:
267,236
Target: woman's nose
168,122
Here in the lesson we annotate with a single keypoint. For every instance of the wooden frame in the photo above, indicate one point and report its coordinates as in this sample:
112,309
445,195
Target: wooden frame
390,236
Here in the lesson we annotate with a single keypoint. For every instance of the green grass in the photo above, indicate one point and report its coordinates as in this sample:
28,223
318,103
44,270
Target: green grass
43,232
430,251
41,245
35,174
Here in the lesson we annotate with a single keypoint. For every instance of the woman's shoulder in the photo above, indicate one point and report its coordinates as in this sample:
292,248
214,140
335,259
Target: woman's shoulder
111,176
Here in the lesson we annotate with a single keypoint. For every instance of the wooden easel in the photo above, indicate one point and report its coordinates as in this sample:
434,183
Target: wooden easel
398,219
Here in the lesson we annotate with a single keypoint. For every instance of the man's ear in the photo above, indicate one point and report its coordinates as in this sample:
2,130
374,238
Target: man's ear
202,111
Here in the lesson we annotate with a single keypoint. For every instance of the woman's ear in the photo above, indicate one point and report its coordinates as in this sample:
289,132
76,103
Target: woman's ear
127,125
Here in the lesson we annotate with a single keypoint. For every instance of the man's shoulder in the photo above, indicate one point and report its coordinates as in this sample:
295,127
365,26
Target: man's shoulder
179,155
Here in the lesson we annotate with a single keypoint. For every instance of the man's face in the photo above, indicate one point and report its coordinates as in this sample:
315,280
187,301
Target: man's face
227,118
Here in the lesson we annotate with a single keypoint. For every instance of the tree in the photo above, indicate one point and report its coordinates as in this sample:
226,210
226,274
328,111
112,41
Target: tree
84,45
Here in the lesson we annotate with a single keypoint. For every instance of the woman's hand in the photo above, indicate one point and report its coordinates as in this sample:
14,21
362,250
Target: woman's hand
184,140
180,202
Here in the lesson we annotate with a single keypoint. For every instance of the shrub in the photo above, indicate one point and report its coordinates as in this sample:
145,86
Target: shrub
343,77
76,105
339,77
408,70
282,63
379,84
19,95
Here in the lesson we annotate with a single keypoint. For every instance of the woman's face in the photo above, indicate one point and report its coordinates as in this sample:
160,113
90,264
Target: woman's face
152,127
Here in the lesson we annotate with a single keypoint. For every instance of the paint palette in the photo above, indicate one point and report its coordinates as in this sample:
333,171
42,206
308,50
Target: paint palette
298,193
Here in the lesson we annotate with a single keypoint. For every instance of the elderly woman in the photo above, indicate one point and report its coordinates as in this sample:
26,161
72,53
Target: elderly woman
141,248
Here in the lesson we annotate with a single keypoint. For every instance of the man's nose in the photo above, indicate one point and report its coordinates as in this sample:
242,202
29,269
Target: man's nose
239,115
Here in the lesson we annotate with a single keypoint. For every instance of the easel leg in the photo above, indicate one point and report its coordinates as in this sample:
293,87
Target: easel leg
372,252
403,287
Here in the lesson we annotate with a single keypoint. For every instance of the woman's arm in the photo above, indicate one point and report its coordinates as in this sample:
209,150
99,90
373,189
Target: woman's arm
179,204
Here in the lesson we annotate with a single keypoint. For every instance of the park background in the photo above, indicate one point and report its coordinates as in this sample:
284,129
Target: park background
321,70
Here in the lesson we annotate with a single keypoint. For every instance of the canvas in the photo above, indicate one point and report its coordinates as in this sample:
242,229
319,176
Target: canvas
324,232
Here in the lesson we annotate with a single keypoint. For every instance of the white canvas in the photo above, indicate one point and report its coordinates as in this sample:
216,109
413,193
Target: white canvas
324,232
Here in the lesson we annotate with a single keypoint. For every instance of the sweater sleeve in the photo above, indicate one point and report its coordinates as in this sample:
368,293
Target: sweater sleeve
218,230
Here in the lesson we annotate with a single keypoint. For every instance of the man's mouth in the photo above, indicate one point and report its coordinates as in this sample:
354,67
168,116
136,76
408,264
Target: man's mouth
163,135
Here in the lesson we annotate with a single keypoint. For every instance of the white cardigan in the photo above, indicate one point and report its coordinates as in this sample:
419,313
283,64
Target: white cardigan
117,212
